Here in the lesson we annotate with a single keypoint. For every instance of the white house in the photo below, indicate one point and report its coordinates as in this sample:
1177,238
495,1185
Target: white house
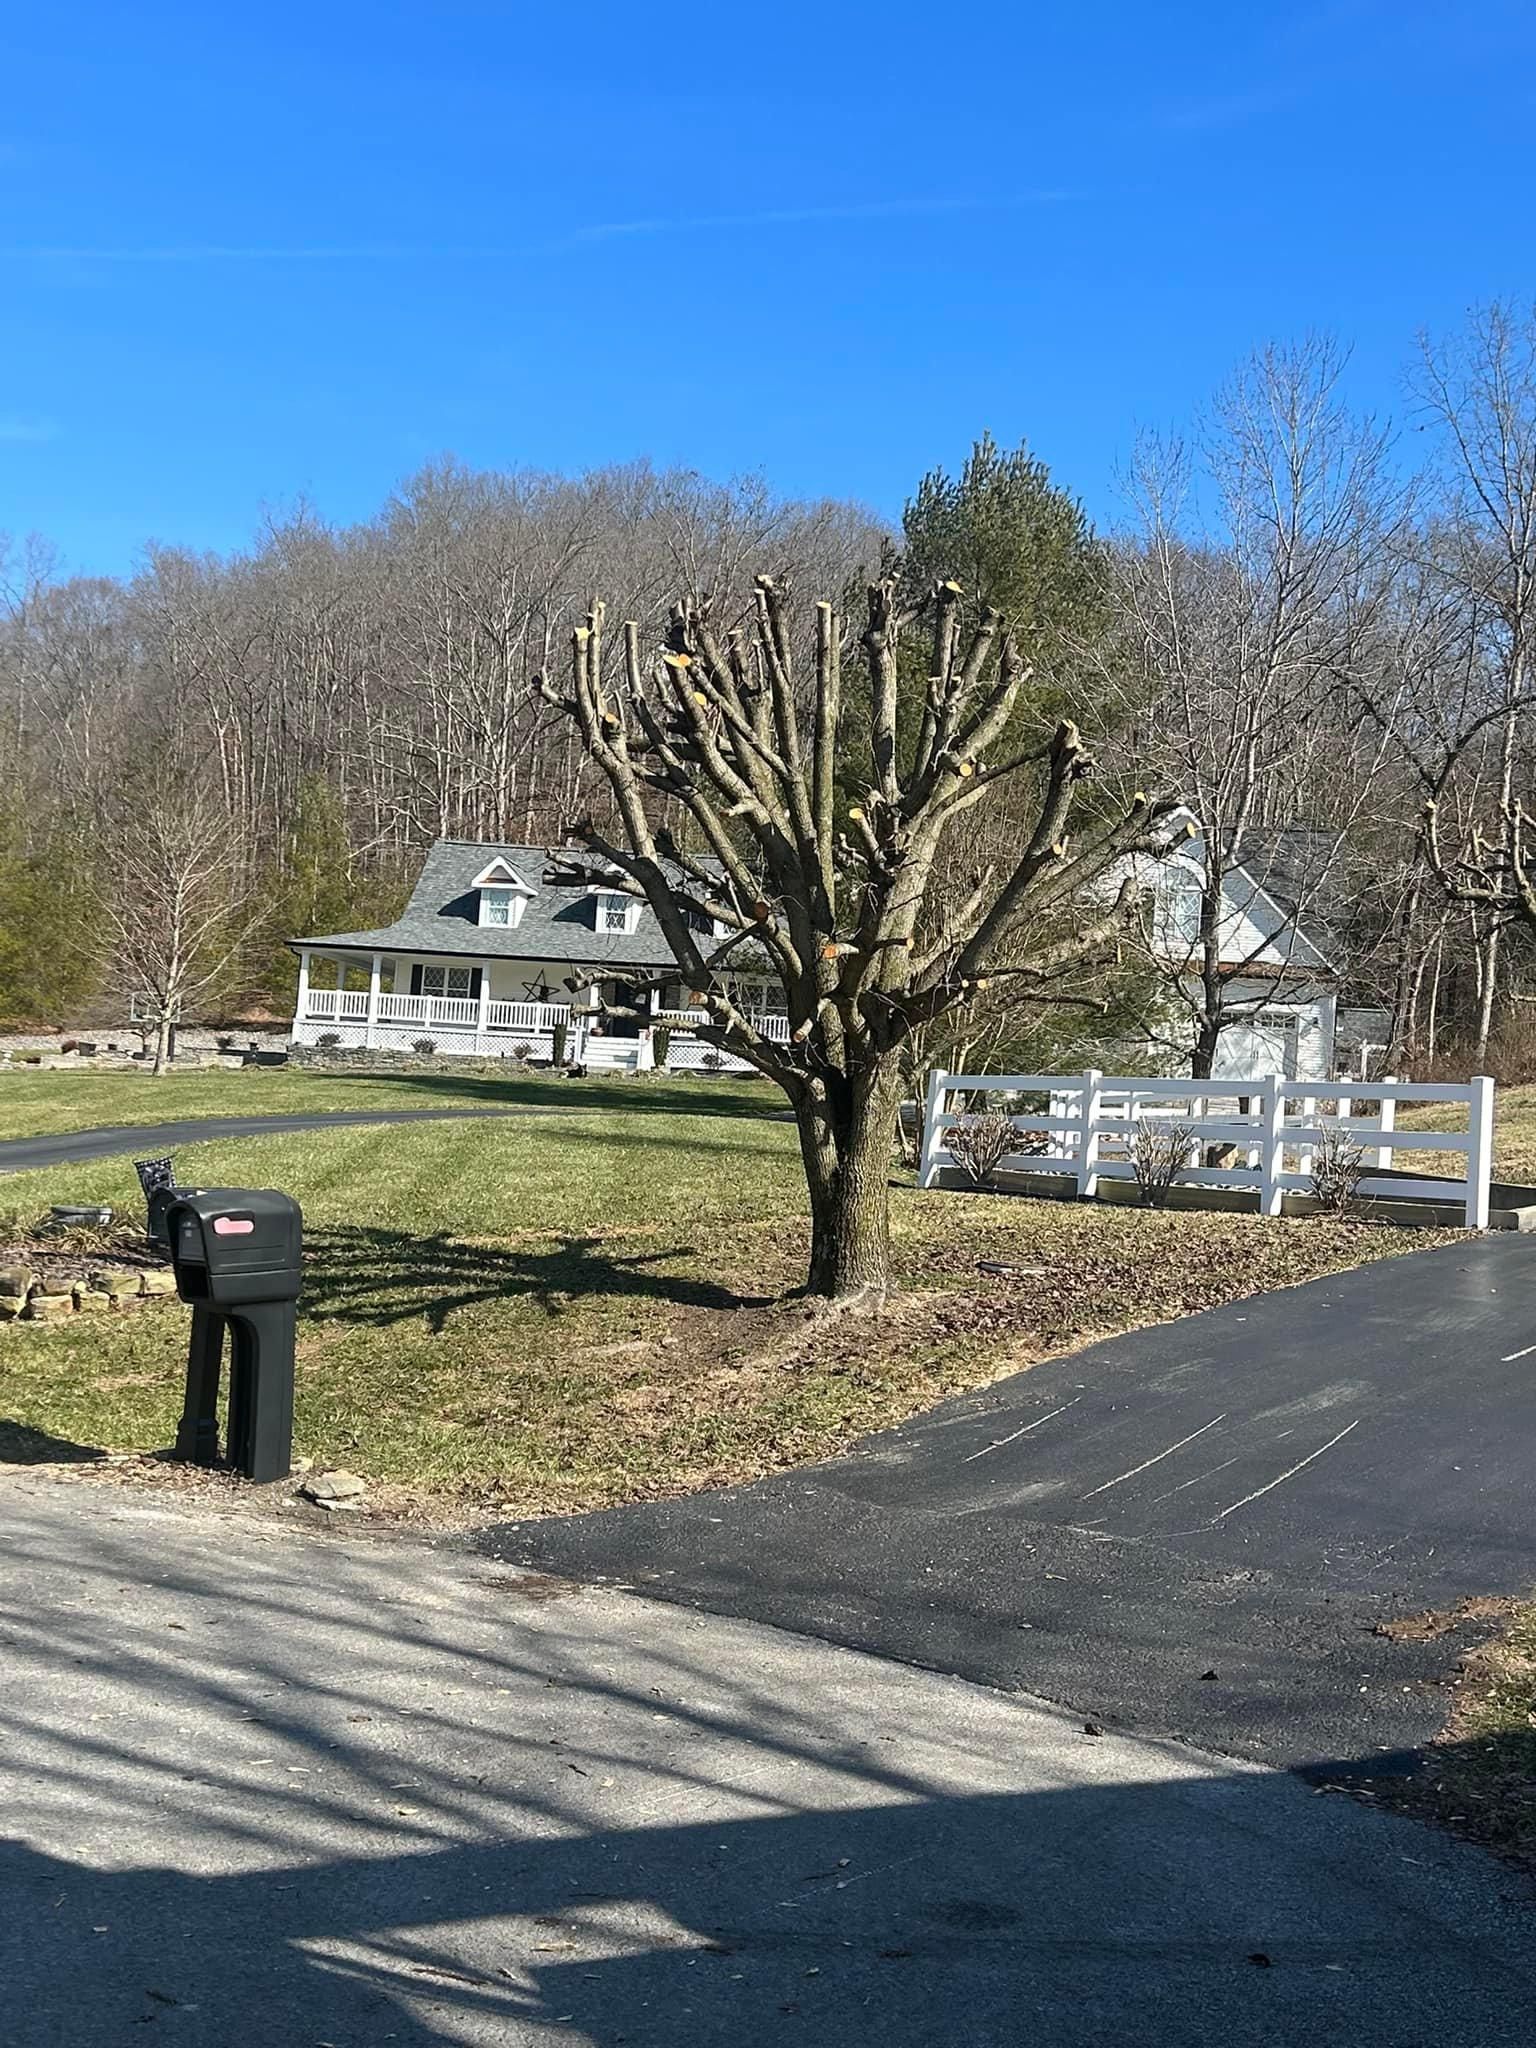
1279,984
490,956
483,960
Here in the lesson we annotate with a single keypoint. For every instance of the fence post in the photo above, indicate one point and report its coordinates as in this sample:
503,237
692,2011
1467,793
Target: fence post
1388,1123
1271,1144
927,1168
1091,1101
1479,1150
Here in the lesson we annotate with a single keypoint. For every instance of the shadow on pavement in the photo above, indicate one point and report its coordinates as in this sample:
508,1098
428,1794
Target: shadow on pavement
269,1791
1074,1918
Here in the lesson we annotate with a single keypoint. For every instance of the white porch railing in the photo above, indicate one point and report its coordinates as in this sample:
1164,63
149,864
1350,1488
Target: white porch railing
769,1024
527,1016
451,1013
337,1002
1281,1122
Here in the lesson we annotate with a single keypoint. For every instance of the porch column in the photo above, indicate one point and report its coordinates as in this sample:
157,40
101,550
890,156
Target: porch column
371,1025
301,1001
483,1021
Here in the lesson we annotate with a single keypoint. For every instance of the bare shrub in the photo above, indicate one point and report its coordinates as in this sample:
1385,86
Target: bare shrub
327,1041
1158,1148
424,1045
1338,1166
980,1144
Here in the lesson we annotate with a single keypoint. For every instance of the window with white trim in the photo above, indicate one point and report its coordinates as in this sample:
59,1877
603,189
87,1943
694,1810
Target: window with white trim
446,981
616,913
499,905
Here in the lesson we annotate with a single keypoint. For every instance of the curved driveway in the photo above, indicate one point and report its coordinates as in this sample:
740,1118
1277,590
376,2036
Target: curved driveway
20,1155
1194,1530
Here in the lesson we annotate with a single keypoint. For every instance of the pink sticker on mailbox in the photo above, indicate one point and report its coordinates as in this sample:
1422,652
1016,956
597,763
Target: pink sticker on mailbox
232,1226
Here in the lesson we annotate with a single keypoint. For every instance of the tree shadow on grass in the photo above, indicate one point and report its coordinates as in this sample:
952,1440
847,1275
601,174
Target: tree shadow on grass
357,1274
644,1095
20,1444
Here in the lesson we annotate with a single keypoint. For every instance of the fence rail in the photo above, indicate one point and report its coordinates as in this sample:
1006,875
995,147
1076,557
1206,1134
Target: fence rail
1270,1126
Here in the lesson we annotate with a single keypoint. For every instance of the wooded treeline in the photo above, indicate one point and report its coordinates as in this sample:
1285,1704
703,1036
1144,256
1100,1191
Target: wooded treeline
1313,627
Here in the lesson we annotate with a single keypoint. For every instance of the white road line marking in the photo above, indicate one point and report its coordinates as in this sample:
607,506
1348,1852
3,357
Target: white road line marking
1211,1474
1148,1462
1290,1473
1513,1355
1020,1432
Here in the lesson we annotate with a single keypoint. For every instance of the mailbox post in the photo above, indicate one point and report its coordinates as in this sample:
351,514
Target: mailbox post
236,1254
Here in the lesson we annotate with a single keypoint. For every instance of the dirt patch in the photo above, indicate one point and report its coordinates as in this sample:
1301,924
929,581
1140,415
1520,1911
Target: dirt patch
1436,1622
389,1509
1477,1779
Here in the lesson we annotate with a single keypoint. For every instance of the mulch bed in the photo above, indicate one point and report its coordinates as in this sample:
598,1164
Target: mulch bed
66,1256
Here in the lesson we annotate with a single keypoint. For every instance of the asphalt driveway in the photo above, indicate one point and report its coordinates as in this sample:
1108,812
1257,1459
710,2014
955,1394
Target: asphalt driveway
1195,1530
278,1786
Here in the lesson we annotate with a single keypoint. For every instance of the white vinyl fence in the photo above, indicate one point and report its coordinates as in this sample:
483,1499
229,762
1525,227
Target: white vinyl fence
1269,1127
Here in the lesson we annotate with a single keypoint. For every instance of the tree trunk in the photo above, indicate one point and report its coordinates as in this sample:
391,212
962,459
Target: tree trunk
846,1139
1488,988
1202,1056
162,1045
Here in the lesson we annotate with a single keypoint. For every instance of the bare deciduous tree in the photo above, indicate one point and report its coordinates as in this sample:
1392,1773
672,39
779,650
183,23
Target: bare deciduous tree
173,913
1244,603
723,760
1479,389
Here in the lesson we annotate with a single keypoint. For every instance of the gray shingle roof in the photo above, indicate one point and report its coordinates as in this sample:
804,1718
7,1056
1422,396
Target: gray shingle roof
556,926
1303,869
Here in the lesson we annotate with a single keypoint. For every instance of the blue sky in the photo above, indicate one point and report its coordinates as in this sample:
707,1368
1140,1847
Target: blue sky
249,253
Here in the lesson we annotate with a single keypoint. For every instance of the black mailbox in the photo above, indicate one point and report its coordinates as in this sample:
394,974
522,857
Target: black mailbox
237,1255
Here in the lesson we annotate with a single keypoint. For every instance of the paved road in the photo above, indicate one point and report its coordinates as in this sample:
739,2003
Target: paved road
1190,1530
282,1789
19,1155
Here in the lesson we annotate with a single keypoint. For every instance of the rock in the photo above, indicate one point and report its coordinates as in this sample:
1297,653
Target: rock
11,1306
16,1279
343,1507
50,1308
48,1283
329,1487
157,1280
113,1281
92,1299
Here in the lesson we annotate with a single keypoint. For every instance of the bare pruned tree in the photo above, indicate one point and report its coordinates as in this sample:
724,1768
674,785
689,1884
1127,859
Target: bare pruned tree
724,756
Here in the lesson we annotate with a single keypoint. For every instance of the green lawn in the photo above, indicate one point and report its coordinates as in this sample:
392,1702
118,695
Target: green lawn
39,1104
588,1306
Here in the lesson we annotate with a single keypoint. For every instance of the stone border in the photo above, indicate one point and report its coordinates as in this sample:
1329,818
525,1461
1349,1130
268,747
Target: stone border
107,1287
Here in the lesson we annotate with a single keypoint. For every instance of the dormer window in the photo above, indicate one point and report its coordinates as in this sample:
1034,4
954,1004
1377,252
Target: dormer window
503,894
615,913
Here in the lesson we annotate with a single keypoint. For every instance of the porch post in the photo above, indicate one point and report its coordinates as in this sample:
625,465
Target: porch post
483,1021
301,1001
371,1026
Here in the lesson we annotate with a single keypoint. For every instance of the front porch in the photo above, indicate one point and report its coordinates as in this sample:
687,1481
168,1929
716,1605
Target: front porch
374,1012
